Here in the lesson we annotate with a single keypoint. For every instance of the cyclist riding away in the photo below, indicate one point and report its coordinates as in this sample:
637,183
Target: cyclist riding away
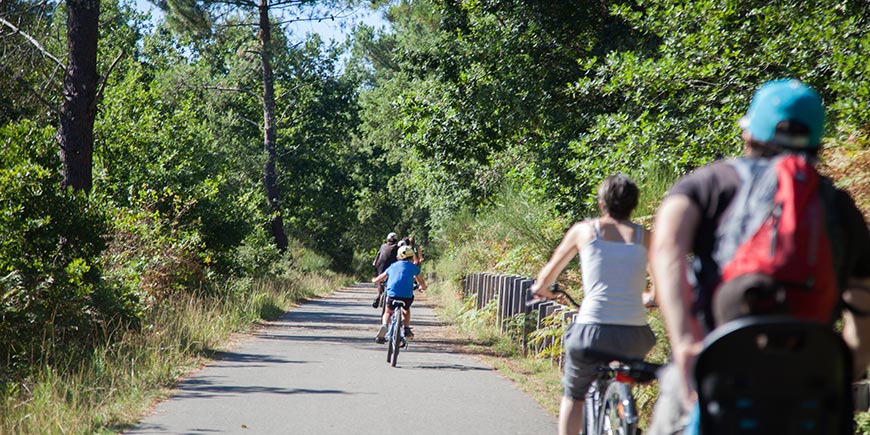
418,252
400,278
385,257
612,318
782,133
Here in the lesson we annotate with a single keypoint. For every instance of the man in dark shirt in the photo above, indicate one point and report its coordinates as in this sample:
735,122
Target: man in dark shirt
385,257
784,116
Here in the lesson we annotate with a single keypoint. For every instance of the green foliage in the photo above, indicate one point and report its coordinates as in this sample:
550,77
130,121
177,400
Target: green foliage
51,287
556,97
479,319
102,390
22,64
862,423
515,234
547,340
317,161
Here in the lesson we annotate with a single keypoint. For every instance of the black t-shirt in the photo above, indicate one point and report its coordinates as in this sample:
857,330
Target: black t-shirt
386,256
712,188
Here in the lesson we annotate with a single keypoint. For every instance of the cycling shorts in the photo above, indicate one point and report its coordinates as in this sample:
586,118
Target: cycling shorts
407,301
628,340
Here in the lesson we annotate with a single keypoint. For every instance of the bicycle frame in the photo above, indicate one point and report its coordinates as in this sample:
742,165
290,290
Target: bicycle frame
395,333
610,407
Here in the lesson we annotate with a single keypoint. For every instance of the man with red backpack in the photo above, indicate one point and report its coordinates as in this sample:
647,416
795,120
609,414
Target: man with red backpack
766,234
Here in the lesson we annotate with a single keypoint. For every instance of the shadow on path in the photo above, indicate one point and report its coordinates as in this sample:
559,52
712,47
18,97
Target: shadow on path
251,358
203,388
453,367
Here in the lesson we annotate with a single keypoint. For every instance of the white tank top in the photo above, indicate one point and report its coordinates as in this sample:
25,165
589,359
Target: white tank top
614,278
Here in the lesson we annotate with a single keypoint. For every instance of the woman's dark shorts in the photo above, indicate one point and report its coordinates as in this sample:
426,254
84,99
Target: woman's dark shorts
630,341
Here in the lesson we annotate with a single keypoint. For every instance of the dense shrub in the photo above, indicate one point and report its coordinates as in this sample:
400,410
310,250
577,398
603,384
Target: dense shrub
50,269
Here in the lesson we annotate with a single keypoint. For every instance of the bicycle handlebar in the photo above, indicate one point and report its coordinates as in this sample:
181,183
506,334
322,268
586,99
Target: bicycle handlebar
639,370
532,299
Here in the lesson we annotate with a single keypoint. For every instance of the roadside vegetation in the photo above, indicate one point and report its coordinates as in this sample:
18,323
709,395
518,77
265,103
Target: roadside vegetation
105,387
108,387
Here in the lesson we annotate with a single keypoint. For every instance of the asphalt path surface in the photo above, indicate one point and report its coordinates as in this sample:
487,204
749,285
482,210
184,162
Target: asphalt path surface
318,370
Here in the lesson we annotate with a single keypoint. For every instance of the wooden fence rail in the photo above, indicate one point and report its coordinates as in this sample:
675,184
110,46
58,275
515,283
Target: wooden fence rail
510,293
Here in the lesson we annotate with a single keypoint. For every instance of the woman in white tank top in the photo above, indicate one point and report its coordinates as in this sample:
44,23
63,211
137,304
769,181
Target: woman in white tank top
612,318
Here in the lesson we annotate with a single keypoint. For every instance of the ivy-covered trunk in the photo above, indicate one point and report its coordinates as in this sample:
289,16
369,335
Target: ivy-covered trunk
78,110
269,137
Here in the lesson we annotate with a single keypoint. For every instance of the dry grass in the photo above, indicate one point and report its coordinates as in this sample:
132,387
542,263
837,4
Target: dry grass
848,163
106,391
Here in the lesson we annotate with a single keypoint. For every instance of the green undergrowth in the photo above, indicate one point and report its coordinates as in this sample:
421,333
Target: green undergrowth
107,389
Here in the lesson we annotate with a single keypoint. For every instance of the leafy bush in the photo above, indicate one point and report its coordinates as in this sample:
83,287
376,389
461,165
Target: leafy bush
51,280
547,340
514,233
153,253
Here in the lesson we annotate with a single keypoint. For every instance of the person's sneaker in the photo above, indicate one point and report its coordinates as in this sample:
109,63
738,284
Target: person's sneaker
381,333
409,333
377,301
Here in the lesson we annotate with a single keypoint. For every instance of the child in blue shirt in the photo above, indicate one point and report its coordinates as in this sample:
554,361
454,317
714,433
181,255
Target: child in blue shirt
400,277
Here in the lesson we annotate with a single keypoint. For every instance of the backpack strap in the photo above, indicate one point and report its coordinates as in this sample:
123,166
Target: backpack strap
837,237
639,234
750,206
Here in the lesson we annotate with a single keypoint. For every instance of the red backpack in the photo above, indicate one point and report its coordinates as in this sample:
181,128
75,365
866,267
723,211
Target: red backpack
773,243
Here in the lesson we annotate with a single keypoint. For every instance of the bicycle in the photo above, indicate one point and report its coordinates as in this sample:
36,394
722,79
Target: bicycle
382,297
609,406
395,336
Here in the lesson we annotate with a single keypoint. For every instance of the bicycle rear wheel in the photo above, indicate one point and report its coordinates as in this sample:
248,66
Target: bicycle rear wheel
396,342
591,408
390,333
618,416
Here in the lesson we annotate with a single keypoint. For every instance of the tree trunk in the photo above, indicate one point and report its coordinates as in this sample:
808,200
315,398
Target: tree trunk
270,177
78,110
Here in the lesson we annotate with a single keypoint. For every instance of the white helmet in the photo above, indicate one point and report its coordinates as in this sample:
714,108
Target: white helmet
405,252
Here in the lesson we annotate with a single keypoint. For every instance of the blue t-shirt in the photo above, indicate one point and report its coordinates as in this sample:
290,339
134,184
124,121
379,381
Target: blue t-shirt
400,279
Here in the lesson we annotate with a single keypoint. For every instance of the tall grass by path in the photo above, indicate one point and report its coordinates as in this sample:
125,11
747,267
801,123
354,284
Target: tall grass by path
107,389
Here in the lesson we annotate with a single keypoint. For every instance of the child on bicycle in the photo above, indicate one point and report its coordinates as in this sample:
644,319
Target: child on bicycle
400,277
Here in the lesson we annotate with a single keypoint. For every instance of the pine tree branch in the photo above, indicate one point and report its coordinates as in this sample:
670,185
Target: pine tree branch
33,41
228,89
106,77
24,84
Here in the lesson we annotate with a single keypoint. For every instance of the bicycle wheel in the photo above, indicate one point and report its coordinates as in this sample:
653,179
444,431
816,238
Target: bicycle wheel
618,416
592,408
390,333
396,342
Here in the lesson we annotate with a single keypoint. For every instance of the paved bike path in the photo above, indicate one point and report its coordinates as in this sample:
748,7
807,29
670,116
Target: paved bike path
317,370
